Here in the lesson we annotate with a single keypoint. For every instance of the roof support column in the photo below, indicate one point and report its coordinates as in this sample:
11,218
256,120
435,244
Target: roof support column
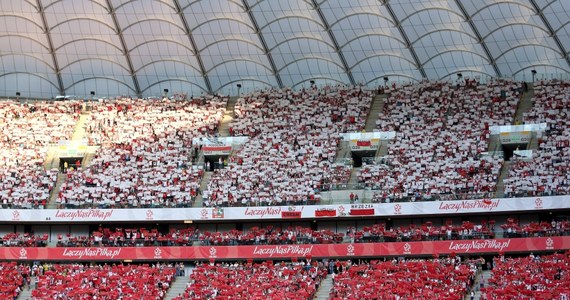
398,25
193,43
540,13
479,38
125,49
263,43
317,8
51,47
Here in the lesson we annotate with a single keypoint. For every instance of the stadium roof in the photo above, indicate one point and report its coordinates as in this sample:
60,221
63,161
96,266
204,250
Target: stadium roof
141,47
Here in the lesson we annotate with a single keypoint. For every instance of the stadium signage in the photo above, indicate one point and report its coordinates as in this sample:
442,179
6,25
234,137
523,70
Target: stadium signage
291,250
488,245
483,204
515,245
70,215
80,253
279,212
262,212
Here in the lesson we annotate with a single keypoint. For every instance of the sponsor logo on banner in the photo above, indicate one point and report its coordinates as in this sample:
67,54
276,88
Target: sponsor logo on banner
479,245
23,254
213,252
204,213
549,244
407,248
538,203
397,209
15,215
341,211
485,204
283,250
350,250
157,253
91,253
71,215
217,213
149,214
262,212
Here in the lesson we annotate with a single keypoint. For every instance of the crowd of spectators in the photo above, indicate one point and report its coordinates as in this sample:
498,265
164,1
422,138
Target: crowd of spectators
23,240
512,228
28,130
258,281
293,139
426,232
442,131
270,235
13,278
448,279
146,155
548,172
530,277
103,282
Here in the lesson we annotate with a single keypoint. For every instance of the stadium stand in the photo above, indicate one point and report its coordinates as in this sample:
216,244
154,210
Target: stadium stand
442,132
145,156
27,132
512,228
12,279
79,281
530,277
254,281
548,172
290,155
406,279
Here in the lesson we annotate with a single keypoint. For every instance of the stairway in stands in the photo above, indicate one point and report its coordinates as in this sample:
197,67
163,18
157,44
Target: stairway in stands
525,104
484,279
203,187
26,294
229,115
324,289
376,108
177,288
78,135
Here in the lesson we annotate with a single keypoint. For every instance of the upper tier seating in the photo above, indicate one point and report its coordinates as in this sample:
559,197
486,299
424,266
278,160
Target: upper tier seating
530,277
293,139
145,159
256,282
442,132
403,280
27,132
78,281
548,173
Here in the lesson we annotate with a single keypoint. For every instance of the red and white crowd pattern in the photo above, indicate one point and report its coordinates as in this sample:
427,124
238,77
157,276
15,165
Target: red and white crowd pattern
489,246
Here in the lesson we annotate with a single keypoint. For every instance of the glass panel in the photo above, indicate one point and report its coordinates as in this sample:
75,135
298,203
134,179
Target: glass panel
156,38
303,70
232,72
161,72
93,68
30,86
523,57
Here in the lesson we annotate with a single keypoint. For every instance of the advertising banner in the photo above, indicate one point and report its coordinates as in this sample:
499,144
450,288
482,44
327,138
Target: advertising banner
276,212
459,247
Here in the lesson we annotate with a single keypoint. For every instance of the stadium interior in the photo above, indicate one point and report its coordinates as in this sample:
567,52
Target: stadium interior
377,149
